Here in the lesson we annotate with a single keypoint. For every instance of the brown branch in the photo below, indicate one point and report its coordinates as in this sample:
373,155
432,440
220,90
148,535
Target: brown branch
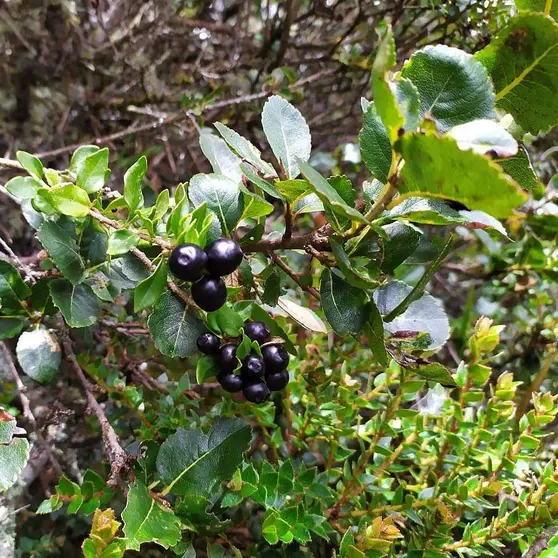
280,263
118,458
26,406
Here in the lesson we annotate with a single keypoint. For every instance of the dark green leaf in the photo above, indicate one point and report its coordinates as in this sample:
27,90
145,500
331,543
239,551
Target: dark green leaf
435,372
12,289
375,146
374,331
226,320
403,241
148,291
10,327
78,303
206,369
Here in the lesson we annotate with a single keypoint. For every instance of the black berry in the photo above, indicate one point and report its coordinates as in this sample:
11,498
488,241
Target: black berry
230,381
277,381
256,392
187,262
209,293
276,358
224,255
257,331
208,343
252,367
227,358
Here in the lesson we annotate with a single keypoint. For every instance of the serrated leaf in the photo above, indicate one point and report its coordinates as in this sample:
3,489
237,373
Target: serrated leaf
146,520
148,291
222,159
374,144
304,316
245,149
120,242
31,164
78,303
222,196
523,63
521,170
195,462
38,353
174,326
423,315
12,289
23,187
436,167
91,167
484,136
133,183
344,305
287,134
68,199
453,87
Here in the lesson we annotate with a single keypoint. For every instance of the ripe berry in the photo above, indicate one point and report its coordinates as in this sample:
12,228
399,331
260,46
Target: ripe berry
227,358
187,262
230,381
277,381
224,255
257,331
209,293
276,358
256,392
208,343
252,367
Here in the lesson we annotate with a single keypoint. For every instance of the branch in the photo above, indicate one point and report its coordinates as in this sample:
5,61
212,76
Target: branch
280,263
27,413
117,456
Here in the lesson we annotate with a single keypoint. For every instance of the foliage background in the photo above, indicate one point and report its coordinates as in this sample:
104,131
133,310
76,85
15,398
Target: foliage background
135,78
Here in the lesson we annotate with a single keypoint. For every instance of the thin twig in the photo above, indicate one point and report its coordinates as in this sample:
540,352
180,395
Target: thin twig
280,263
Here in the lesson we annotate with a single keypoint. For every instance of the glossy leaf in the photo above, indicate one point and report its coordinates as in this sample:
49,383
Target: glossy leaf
133,184
149,290
91,167
78,303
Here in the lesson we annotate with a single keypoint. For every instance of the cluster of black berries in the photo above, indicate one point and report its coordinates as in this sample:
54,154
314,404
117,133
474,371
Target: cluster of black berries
205,268
258,375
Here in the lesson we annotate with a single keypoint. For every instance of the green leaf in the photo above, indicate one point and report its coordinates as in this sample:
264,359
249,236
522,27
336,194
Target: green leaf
226,320
344,187
549,7
161,205
31,164
435,372
255,206
120,242
408,100
148,291
272,289
436,167
245,149
174,326
146,520
374,331
355,275
375,146
429,211
484,136
222,159
91,168
453,87
133,182
521,170
523,63
258,314
304,316
384,98
423,315
14,452
251,174
328,194
12,289
291,190
403,240
38,353
194,462
222,196
68,199
206,369
287,134
10,327
78,303
23,187
63,249
344,305
79,156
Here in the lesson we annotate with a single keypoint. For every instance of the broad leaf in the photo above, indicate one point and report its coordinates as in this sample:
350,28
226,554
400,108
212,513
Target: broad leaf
68,199
255,206
206,368
91,169
245,149
191,461
549,7
453,87
38,353
147,520
375,146
133,184
403,240
521,170
287,134
225,320
31,164
120,242
523,63
10,327
174,326
344,305
485,136
291,190
78,303
12,289
222,196
424,315
63,250
304,316
222,159
14,452
148,291
23,187
436,167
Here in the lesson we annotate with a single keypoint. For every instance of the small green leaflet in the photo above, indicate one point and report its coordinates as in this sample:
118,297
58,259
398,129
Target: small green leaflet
133,183
148,291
